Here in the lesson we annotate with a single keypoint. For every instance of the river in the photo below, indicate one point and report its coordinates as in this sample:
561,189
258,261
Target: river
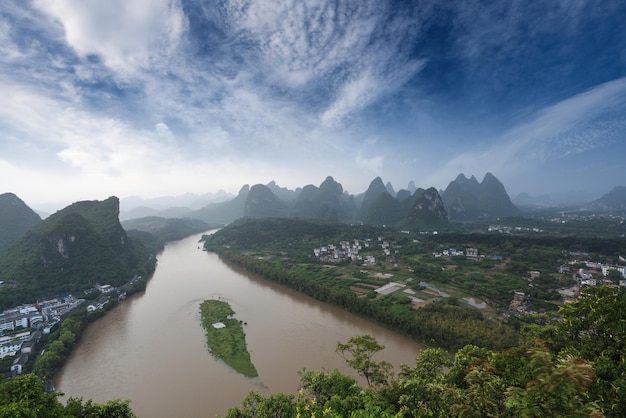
151,349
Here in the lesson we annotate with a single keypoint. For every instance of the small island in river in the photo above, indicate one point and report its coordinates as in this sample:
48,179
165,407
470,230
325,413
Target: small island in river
225,336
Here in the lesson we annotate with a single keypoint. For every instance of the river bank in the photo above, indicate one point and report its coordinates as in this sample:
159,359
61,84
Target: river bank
155,338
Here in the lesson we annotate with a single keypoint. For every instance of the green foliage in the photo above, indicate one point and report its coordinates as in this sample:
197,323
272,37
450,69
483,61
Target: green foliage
358,353
529,380
24,396
15,219
68,252
59,346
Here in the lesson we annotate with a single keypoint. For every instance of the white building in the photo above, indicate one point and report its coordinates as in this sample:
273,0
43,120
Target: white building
606,268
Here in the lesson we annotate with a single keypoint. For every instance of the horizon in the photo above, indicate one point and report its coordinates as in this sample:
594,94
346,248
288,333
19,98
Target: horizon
154,99
48,208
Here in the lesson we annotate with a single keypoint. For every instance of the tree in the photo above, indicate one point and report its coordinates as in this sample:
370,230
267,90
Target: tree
594,328
24,396
358,353
614,275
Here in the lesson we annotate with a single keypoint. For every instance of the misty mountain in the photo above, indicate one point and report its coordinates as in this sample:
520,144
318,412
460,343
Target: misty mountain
189,200
261,202
467,199
15,219
167,229
380,204
73,249
327,202
168,206
283,193
373,192
427,211
144,211
385,210
224,212
615,200
403,195
390,190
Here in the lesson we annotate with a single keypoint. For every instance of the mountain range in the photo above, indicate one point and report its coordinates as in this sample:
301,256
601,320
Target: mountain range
467,199
85,243
411,208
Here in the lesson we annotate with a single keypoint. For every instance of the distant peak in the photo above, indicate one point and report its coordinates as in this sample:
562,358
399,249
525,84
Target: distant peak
489,176
244,189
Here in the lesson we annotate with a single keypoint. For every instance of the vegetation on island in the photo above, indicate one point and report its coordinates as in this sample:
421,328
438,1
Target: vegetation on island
573,368
228,343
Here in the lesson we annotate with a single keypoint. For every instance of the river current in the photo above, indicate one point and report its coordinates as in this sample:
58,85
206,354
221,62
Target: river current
151,349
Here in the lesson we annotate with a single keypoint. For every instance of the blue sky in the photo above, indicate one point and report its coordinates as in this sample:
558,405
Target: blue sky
156,97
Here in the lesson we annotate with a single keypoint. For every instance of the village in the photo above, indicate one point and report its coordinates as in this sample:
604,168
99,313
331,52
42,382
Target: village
23,326
369,253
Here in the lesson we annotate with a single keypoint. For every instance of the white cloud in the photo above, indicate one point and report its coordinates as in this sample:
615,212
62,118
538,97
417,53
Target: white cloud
126,34
374,165
575,125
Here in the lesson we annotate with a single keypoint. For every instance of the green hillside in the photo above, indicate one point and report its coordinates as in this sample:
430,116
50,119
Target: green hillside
70,251
15,219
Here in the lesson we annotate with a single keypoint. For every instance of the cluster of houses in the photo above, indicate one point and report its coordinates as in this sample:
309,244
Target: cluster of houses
22,327
469,252
596,274
504,229
347,250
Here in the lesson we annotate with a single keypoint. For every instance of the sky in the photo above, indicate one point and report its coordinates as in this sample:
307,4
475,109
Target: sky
163,97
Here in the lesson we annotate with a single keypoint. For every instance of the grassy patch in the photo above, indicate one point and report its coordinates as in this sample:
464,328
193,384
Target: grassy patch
229,343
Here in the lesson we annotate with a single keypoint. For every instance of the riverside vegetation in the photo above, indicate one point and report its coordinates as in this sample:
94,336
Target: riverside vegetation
568,360
228,343
573,368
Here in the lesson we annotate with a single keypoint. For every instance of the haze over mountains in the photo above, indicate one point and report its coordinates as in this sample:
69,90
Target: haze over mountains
85,243
464,199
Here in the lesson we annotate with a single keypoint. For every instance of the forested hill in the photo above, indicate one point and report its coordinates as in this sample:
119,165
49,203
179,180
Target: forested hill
251,233
68,252
167,229
15,219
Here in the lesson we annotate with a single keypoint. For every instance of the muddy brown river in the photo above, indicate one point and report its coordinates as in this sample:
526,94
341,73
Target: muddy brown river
151,349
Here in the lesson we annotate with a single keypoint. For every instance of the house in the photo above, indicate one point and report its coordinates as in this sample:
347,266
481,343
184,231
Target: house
106,288
606,268
471,252
18,364
10,347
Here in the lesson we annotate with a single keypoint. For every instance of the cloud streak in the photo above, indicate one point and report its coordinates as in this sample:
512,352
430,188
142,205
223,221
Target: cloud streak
111,96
